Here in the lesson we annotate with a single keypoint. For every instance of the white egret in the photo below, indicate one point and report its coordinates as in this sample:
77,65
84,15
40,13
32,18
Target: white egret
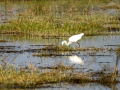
76,60
72,39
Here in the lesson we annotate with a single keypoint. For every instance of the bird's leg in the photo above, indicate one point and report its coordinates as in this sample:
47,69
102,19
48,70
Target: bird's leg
75,46
79,45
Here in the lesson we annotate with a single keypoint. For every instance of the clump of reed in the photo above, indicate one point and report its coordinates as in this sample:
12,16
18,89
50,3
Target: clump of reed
3,40
62,48
11,76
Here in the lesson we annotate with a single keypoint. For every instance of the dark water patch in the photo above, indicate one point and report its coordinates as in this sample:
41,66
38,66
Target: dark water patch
103,62
111,45
43,45
9,47
12,51
100,55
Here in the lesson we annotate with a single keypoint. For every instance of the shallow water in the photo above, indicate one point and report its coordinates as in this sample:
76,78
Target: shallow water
88,60
67,86
89,86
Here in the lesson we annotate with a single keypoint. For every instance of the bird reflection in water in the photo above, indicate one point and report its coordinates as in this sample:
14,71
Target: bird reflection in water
76,60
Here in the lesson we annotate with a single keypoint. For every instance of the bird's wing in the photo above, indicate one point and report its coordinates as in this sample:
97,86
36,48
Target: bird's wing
74,38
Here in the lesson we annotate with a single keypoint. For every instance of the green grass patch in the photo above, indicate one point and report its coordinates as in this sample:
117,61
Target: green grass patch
40,26
66,19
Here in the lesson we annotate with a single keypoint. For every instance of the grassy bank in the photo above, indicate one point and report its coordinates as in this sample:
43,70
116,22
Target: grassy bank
51,26
12,77
64,20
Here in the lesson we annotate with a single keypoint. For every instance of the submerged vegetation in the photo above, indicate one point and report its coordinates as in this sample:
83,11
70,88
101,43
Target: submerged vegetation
52,48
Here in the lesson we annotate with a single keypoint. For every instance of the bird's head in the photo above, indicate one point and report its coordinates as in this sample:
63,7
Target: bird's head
64,42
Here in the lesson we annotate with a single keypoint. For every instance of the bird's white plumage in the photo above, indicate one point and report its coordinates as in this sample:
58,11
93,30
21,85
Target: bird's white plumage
72,39
76,60
75,38
64,42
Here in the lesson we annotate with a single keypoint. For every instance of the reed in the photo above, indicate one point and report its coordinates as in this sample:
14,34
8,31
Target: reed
43,20
11,76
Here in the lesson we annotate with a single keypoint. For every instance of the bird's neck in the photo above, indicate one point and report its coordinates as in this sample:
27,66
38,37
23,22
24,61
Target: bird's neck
68,43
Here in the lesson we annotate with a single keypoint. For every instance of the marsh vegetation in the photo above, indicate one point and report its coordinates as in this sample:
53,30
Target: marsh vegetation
31,32
61,18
